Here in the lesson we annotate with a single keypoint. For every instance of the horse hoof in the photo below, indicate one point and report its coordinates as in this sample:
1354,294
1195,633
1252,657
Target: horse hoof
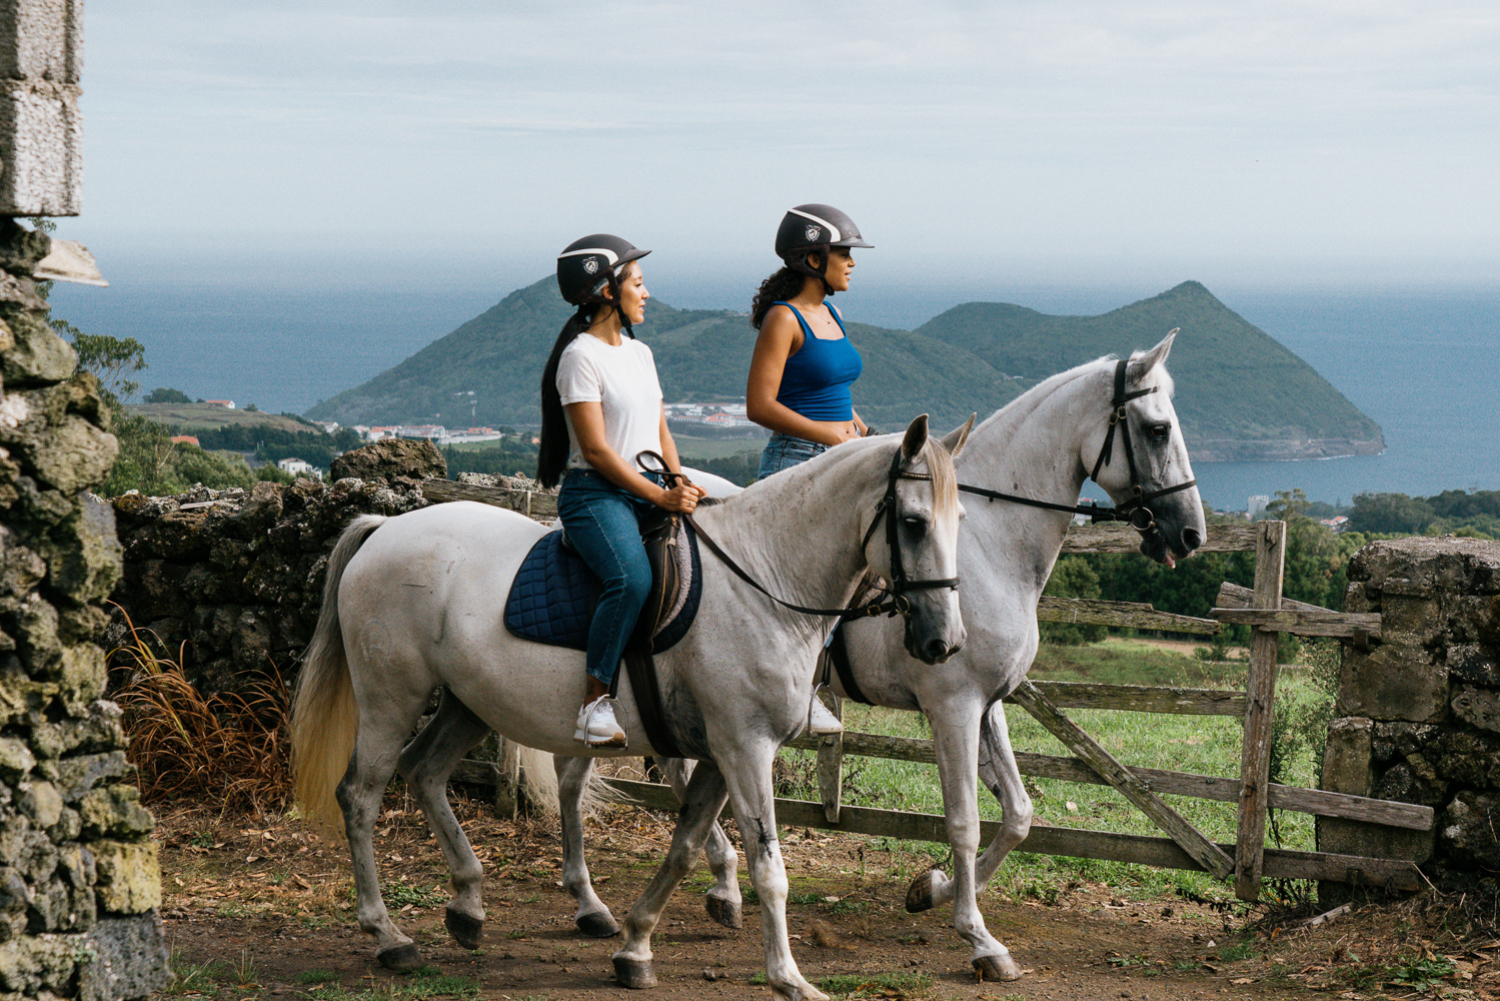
599,924
634,973
919,894
464,929
996,968
727,912
402,959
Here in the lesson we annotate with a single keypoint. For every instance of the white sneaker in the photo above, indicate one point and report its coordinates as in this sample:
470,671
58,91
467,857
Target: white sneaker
821,722
597,726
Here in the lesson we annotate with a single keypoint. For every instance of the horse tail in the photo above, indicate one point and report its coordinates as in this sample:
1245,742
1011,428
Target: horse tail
325,717
539,781
538,776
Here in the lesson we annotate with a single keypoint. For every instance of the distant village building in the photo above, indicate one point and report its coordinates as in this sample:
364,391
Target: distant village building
1338,523
185,439
380,433
429,431
329,427
299,467
221,403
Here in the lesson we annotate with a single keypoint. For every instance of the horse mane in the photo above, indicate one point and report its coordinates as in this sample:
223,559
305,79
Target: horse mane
1029,400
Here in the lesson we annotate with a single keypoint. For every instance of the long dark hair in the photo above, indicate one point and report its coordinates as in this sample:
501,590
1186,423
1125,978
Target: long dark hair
552,457
781,286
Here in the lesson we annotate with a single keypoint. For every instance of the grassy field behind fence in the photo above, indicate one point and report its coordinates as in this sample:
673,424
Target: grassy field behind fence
1205,745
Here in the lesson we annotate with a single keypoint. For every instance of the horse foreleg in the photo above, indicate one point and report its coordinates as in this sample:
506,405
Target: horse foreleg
747,772
593,917
723,902
701,803
999,773
955,737
426,764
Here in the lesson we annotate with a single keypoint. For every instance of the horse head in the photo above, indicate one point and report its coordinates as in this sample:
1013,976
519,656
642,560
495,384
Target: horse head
920,514
1140,458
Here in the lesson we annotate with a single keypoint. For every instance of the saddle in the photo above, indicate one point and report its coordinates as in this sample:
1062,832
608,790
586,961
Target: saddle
553,596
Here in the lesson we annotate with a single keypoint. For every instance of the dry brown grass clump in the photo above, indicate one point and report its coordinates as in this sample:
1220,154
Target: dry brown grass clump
228,748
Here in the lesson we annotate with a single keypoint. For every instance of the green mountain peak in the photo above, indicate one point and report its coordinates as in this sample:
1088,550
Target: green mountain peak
1240,394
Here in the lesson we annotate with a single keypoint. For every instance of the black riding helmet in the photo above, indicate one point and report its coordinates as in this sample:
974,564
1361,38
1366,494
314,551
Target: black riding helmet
814,229
588,266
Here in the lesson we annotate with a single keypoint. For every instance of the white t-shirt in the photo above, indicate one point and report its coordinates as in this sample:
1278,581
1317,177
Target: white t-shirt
622,379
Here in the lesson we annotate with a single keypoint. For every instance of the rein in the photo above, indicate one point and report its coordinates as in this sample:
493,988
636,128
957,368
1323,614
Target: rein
895,601
1134,511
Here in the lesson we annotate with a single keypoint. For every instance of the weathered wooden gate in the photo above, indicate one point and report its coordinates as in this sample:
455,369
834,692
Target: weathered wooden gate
1248,860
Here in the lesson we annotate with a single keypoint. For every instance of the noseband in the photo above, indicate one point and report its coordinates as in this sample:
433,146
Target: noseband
896,602
1135,510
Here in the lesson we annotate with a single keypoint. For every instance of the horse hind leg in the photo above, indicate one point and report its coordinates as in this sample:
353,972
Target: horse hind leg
723,903
426,763
359,796
593,917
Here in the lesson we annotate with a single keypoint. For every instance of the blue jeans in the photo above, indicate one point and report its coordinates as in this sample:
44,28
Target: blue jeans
783,452
602,523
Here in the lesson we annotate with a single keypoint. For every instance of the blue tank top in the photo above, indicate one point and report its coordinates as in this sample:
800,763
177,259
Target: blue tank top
816,380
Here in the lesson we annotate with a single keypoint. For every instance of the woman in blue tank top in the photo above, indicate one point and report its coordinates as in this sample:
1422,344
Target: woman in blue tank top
803,363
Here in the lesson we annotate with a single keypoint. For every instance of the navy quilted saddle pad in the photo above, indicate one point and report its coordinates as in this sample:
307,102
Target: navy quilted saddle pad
553,596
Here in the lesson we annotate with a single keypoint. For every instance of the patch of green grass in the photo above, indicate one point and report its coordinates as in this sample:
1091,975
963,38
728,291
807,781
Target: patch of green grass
317,977
194,978
401,894
1422,974
846,907
759,978
428,982
863,985
1236,951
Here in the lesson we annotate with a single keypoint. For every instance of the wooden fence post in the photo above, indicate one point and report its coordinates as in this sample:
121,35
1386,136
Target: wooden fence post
1260,697
831,765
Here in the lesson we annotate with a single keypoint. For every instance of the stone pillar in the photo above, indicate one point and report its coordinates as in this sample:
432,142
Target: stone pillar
41,134
79,882
1420,712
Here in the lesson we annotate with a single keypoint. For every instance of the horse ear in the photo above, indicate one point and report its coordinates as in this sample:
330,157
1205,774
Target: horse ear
955,440
1145,362
916,437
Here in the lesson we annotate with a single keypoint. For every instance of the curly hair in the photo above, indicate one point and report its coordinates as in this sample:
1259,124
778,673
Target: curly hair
780,287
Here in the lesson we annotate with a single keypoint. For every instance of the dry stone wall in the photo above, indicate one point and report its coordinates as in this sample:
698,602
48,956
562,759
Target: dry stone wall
79,882
238,575
1419,713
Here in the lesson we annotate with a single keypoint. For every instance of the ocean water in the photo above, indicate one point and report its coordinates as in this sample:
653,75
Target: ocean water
1423,361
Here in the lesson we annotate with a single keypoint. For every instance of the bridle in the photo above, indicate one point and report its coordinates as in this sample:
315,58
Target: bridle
893,600
1136,510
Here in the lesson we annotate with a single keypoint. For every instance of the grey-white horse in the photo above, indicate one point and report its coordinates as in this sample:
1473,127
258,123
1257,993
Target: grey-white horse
412,604
1040,447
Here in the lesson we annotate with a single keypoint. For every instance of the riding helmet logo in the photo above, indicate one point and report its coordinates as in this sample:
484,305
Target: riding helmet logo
812,234
591,265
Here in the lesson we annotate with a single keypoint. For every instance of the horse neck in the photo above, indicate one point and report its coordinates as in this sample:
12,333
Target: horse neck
1032,448
798,533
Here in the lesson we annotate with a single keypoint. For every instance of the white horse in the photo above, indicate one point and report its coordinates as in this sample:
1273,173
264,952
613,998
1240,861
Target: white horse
1040,447
413,603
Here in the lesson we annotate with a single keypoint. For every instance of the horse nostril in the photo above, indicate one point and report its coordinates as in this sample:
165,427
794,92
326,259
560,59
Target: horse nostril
1191,538
935,650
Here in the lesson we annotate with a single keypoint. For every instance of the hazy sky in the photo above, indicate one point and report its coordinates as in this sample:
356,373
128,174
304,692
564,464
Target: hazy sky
1300,138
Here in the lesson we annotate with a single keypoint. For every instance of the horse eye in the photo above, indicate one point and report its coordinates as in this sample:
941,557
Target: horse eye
1161,431
914,523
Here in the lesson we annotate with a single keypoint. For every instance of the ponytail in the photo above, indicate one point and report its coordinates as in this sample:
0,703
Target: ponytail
552,457
781,286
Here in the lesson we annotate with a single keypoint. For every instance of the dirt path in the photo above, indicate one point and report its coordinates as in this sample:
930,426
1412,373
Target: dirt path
262,909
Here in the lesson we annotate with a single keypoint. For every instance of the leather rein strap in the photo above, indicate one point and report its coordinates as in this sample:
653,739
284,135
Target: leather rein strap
1135,511
896,603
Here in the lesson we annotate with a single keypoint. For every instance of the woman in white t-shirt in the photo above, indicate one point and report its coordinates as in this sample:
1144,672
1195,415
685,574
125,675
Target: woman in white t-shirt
601,407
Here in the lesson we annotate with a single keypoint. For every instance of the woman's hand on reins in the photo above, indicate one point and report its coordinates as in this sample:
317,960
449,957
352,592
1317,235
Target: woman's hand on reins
682,498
